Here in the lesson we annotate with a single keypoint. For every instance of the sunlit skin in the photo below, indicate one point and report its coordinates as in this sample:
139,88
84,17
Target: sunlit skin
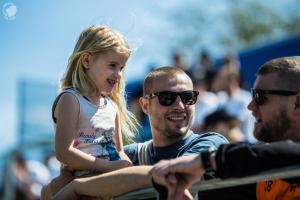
273,119
104,69
164,174
169,123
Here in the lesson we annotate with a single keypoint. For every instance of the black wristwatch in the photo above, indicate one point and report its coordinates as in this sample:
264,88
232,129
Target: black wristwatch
205,160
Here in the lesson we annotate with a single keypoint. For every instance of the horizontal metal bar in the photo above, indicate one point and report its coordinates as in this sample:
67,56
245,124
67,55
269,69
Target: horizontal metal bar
287,172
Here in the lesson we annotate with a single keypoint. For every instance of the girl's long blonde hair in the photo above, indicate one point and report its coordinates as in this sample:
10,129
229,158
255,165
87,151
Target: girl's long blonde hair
100,39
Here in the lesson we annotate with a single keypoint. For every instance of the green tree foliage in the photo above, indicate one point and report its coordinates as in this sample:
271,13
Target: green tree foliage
234,24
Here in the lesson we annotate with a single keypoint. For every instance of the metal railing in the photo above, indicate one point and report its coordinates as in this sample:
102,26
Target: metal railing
287,172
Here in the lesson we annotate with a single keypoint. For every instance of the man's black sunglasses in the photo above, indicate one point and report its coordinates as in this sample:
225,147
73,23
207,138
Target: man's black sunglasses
167,98
260,98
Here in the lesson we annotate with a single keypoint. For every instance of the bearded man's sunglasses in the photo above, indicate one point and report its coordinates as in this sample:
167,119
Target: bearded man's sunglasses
260,97
167,98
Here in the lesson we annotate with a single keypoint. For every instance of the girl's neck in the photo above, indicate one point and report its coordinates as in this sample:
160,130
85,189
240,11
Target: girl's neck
95,98
94,94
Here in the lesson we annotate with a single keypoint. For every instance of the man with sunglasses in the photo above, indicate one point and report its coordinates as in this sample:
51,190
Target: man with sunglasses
276,108
168,99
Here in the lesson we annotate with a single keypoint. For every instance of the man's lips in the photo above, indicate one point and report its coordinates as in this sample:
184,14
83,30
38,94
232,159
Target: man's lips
176,117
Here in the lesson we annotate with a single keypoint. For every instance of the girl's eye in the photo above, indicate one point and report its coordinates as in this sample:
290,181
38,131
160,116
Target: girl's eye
113,65
121,69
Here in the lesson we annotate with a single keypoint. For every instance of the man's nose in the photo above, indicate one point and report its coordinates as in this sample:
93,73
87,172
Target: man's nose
179,102
252,106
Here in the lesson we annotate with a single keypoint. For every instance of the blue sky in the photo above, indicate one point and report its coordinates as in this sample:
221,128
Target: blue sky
38,41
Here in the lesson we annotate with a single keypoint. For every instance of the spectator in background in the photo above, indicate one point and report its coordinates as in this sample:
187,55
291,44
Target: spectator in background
203,70
179,60
206,104
221,122
231,63
23,181
233,98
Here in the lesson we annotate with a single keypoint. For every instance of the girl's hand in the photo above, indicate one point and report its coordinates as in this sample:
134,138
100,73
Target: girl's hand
119,164
123,156
103,166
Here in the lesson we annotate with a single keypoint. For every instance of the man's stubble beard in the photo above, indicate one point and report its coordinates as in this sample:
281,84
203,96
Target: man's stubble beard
275,129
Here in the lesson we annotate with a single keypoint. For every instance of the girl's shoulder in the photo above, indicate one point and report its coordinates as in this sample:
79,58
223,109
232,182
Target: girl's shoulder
71,91
67,96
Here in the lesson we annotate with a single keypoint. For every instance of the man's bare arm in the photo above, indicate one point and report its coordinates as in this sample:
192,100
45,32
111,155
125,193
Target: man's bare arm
108,185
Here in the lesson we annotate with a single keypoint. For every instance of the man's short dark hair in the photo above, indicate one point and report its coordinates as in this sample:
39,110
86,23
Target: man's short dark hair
288,69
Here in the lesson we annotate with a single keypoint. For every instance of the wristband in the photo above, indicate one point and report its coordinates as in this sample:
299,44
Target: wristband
206,161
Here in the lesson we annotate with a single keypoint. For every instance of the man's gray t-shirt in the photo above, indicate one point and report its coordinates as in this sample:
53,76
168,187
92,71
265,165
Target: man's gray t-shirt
146,154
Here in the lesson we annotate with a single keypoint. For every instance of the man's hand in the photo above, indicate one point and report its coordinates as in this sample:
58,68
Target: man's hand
178,175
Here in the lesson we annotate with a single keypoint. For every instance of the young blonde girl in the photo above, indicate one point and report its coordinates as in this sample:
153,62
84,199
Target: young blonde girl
90,111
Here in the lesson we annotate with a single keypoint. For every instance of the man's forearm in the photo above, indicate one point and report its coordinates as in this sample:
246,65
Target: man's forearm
114,183
237,160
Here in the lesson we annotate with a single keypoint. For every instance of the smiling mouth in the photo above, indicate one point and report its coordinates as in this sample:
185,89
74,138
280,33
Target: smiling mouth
176,118
111,82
